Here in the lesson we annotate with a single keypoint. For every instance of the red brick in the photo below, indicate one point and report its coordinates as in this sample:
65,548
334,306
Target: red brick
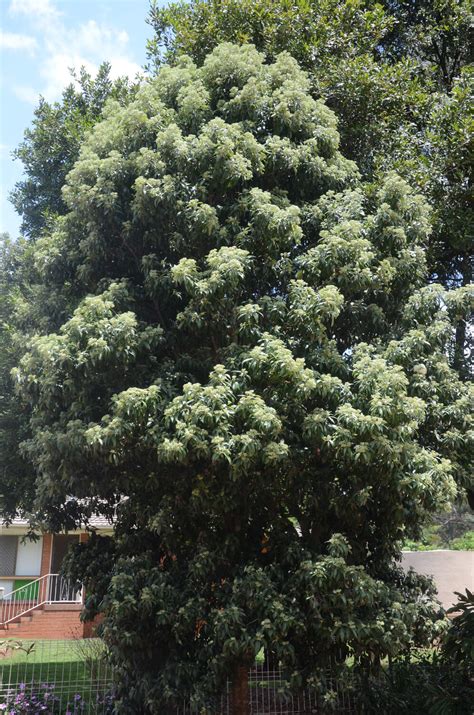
43,624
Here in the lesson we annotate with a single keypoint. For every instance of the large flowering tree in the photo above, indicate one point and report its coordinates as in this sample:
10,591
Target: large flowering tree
246,366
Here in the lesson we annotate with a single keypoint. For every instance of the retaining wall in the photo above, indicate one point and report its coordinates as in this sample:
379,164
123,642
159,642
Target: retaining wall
452,570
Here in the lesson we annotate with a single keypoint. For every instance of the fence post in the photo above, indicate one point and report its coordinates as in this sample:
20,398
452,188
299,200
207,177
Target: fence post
240,702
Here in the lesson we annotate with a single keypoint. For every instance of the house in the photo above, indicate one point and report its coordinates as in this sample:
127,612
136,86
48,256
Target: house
35,600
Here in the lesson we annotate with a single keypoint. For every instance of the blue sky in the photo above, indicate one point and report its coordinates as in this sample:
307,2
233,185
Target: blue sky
39,41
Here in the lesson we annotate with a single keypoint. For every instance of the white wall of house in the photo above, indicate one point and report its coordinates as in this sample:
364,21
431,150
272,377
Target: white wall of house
452,571
28,558
18,558
7,587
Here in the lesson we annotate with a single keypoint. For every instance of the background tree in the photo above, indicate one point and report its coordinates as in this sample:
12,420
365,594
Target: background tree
51,146
254,380
437,33
27,306
16,475
48,152
438,159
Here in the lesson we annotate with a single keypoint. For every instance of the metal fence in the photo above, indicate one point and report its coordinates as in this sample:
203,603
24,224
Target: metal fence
223,705
47,589
55,677
73,677
268,696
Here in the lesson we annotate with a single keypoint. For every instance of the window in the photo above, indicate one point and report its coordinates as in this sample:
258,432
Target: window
8,549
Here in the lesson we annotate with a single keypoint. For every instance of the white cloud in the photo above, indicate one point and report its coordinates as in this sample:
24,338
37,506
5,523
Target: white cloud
64,47
26,94
39,8
91,36
14,41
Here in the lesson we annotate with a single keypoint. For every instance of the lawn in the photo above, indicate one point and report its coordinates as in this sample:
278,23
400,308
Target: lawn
72,667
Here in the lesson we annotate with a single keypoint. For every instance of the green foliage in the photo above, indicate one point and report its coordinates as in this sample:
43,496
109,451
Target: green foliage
92,564
432,540
458,642
303,611
51,146
452,529
398,76
435,34
422,684
437,31
464,542
301,28
247,369
438,157
338,41
16,474
378,65
48,152
440,682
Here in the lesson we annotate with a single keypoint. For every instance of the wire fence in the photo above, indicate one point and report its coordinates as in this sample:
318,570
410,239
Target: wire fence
56,677
73,677
269,696
223,705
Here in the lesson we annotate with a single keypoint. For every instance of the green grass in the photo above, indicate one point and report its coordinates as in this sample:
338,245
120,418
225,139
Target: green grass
56,651
74,667
73,675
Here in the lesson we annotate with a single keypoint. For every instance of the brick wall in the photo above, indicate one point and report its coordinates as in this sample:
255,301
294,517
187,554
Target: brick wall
51,623
46,554
47,624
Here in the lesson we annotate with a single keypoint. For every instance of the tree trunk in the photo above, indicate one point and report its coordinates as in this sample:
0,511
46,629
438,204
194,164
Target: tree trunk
240,703
463,343
459,362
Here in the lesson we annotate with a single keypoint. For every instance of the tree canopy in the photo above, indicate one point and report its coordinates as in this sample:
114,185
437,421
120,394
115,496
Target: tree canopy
398,74
246,366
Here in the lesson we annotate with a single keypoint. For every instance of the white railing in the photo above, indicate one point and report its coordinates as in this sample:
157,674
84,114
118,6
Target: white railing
48,589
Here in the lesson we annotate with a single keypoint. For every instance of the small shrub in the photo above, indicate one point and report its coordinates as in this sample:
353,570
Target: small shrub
458,642
428,685
21,702
464,542
436,683
92,652
44,701
106,702
76,706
